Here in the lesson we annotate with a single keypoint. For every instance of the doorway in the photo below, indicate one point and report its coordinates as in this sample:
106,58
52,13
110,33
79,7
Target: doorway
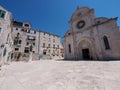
44,52
85,54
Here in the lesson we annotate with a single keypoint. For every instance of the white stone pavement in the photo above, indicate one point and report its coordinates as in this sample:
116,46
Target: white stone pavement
61,75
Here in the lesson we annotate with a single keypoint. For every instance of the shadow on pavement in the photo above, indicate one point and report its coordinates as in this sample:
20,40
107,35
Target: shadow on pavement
87,60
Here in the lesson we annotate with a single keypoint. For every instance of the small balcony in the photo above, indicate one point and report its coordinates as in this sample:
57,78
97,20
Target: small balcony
30,38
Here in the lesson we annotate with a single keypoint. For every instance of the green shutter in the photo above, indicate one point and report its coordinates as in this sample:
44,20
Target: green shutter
7,37
2,14
31,48
15,42
4,53
0,29
20,41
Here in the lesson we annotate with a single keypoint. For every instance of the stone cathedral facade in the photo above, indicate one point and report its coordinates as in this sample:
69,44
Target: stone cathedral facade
91,38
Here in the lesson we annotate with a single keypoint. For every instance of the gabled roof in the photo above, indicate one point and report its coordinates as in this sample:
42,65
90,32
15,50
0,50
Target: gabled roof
79,11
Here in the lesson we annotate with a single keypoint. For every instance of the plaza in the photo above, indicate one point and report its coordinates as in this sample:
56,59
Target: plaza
59,45
61,75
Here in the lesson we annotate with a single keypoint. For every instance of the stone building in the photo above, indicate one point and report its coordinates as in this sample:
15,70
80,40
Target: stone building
44,45
50,46
5,36
18,40
91,37
24,38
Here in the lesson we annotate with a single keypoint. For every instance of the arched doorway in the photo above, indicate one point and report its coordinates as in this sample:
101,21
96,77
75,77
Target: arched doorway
85,50
85,54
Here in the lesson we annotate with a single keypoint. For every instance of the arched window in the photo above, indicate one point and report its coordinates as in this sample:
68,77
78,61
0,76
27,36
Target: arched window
69,46
106,42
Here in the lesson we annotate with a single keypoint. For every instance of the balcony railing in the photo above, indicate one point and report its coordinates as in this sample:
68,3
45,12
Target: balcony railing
31,38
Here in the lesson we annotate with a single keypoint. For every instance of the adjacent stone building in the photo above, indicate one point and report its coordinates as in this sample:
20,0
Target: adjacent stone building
90,37
5,36
42,44
50,46
18,40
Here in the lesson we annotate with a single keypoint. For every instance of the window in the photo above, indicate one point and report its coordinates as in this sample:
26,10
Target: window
22,29
57,46
28,31
44,52
69,46
106,42
20,41
0,29
2,14
27,25
53,51
18,34
33,43
34,32
7,37
27,43
49,51
26,50
43,45
15,42
4,53
49,45
31,48
44,33
31,38
69,33
25,30
16,28
98,22
54,46
16,49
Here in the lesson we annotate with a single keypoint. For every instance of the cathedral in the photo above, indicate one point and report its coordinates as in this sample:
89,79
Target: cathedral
91,38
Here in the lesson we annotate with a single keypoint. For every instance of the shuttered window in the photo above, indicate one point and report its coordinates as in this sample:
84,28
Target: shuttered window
2,14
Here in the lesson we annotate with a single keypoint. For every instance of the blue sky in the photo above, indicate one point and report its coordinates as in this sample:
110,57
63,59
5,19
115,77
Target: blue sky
53,15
